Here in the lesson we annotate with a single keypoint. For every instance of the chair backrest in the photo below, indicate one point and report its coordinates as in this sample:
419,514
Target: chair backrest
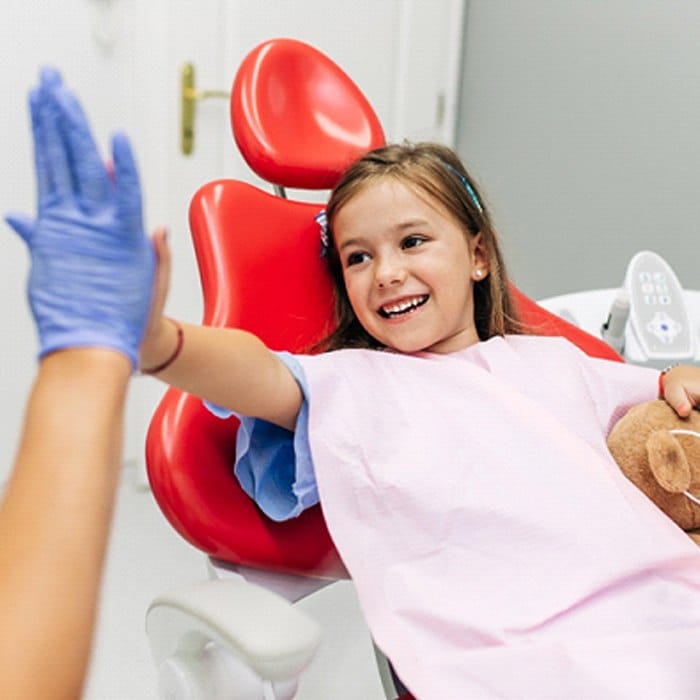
297,118
261,270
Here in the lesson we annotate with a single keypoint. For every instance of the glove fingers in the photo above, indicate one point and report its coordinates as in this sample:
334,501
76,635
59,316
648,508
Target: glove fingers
50,145
49,80
89,175
22,224
41,164
50,77
128,188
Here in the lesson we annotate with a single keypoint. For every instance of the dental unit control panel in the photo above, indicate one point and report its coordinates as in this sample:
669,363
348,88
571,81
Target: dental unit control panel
659,329
650,321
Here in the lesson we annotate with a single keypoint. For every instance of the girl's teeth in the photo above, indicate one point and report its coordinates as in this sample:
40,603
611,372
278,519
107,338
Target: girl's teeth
403,306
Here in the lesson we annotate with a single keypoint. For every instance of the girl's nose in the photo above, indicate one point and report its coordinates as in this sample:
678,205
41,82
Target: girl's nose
389,272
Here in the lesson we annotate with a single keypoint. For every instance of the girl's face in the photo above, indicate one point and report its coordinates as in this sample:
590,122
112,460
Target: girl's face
409,269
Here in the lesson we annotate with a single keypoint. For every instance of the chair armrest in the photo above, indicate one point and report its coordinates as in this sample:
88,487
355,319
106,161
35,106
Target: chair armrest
231,634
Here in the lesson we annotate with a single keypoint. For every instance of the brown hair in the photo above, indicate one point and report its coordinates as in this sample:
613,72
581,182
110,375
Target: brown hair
438,172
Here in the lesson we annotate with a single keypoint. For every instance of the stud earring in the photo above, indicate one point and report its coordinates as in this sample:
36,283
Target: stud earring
477,273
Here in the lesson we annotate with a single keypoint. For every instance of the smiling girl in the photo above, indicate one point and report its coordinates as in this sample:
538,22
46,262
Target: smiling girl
497,550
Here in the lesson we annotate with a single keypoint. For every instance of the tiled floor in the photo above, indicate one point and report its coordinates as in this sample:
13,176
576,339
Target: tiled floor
146,558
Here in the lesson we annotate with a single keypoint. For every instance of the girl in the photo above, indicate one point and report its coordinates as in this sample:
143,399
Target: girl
497,550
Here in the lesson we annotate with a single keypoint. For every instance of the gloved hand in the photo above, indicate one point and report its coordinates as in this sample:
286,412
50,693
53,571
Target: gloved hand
92,265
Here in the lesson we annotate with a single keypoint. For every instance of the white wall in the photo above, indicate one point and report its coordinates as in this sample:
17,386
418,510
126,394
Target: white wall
582,122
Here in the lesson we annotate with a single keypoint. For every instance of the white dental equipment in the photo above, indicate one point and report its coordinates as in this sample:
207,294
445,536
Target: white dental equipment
650,321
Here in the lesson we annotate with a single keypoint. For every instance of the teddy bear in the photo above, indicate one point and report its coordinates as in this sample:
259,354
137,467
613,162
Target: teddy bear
663,463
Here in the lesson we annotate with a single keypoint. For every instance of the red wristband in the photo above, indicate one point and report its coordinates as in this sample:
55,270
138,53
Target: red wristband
176,352
664,372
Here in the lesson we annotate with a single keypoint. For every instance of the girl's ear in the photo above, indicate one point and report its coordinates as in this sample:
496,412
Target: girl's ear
480,258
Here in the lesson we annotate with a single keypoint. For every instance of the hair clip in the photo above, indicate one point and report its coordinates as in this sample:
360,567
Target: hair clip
322,221
467,186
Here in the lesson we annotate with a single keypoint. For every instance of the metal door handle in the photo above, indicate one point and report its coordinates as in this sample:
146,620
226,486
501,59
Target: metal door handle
189,96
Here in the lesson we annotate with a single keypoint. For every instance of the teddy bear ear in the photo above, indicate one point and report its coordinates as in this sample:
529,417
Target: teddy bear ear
668,462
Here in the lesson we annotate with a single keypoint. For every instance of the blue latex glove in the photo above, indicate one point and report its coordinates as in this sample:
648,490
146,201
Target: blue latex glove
92,265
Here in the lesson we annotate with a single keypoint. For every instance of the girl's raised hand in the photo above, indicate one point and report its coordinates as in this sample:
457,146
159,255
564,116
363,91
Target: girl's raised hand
158,339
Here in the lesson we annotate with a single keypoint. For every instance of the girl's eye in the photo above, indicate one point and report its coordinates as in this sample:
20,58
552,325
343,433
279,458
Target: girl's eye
356,258
412,241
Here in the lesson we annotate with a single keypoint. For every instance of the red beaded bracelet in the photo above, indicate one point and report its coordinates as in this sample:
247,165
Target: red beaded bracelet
664,372
176,352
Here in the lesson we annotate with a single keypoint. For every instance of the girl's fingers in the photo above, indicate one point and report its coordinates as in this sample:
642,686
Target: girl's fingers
162,279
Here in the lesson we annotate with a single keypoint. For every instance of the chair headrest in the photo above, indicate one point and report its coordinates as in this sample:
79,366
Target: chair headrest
297,118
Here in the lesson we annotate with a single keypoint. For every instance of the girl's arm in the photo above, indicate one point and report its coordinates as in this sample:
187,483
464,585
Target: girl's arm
681,388
231,368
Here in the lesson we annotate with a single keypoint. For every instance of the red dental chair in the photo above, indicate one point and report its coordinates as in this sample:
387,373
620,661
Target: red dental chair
298,121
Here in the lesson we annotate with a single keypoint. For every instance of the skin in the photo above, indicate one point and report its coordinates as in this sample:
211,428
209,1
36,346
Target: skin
227,366
396,247
682,389
54,521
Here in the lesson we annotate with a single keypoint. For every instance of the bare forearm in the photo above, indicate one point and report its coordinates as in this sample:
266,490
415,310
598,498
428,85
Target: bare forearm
54,522
229,367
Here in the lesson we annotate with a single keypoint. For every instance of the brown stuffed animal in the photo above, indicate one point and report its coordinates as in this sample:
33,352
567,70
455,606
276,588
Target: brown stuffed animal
662,464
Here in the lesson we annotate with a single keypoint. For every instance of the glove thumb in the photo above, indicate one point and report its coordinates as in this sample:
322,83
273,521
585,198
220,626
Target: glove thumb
23,224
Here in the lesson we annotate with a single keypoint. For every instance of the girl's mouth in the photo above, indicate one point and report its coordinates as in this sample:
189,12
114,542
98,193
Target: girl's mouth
405,306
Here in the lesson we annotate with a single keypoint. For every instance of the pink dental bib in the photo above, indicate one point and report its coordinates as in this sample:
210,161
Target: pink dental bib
497,550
